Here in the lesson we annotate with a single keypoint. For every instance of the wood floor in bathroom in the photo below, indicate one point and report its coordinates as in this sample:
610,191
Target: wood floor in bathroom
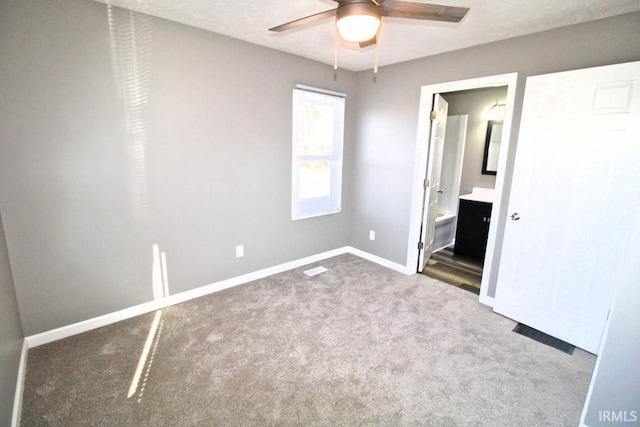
455,270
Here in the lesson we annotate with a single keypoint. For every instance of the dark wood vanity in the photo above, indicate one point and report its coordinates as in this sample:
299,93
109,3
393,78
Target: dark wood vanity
472,230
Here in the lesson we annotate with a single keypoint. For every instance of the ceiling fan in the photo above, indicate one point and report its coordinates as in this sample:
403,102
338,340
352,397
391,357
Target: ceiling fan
359,20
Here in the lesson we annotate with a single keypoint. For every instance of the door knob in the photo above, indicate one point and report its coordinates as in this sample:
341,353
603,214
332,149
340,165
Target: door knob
515,216
440,191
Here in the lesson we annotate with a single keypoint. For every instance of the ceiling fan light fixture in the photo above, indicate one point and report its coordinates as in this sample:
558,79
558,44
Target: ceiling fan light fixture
358,21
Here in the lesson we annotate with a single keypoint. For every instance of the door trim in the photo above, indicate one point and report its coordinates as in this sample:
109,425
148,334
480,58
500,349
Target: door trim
505,159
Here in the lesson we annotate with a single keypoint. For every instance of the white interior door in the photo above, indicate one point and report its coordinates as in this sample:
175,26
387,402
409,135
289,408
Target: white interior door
432,182
575,189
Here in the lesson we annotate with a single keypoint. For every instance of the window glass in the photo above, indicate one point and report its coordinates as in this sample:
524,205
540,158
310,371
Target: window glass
318,130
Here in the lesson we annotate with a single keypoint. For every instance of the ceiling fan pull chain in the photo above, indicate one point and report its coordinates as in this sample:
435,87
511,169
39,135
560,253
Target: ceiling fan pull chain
375,64
335,51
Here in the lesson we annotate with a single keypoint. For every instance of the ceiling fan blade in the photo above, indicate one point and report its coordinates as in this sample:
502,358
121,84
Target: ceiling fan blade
304,21
369,42
431,12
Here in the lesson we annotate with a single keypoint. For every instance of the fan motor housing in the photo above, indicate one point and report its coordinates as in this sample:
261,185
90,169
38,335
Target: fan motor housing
357,7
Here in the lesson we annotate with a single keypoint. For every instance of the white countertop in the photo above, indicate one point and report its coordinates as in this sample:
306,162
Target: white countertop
479,194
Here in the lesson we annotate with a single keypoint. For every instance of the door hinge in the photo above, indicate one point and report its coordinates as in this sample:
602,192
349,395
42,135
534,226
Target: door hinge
434,114
420,246
426,183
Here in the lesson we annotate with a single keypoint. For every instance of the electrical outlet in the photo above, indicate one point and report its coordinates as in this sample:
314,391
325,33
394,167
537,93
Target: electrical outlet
239,251
372,235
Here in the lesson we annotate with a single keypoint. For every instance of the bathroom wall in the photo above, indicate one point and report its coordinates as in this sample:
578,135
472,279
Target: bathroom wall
452,157
476,104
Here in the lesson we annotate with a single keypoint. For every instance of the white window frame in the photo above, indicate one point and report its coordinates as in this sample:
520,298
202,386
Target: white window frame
313,207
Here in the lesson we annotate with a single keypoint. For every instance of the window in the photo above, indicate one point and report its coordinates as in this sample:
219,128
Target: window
318,129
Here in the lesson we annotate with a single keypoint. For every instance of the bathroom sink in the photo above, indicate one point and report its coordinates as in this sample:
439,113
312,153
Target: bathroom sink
479,194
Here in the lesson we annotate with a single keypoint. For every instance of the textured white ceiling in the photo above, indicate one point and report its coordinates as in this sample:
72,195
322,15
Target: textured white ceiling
400,39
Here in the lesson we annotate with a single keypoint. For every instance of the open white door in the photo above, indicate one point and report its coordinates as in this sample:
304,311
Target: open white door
575,190
432,182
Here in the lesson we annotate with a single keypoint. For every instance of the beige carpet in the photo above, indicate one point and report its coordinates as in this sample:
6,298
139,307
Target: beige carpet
356,345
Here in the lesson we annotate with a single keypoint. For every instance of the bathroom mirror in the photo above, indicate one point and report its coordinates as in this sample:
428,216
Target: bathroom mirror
492,147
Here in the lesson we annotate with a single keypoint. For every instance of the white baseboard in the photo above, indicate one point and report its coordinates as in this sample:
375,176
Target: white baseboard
93,323
137,310
249,277
486,300
382,261
17,400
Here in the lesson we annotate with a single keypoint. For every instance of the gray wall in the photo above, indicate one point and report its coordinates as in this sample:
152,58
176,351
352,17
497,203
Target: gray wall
388,114
82,208
476,104
615,386
11,336
81,212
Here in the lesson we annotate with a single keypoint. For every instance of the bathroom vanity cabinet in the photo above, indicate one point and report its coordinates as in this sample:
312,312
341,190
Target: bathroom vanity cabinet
474,218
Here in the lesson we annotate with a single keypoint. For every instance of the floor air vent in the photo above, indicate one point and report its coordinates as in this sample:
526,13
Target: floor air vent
543,338
315,271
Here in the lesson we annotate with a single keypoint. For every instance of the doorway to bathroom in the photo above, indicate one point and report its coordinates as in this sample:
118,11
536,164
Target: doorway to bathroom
467,182
423,218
